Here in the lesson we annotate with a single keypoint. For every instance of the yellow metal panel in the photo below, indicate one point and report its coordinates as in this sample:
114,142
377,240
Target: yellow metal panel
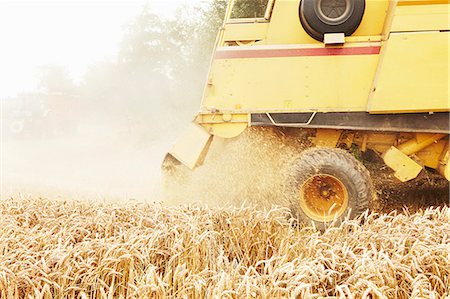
379,142
285,26
390,12
422,2
405,168
373,19
359,39
190,146
214,118
224,125
421,18
414,75
305,83
326,138
444,170
242,32
430,155
444,166
226,130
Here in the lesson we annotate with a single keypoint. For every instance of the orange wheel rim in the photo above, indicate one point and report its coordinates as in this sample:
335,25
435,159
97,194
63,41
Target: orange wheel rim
323,197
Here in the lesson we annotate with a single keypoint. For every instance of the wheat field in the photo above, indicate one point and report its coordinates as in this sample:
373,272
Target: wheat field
81,249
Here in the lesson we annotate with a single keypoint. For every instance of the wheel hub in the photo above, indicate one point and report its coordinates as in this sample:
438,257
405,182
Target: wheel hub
323,197
334,12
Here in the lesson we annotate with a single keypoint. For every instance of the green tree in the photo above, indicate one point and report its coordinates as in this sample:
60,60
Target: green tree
249,8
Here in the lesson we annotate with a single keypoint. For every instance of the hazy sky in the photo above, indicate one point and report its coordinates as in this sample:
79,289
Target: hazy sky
71,33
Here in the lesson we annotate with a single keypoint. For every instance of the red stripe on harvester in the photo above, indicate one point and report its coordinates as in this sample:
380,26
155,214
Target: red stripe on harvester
268,53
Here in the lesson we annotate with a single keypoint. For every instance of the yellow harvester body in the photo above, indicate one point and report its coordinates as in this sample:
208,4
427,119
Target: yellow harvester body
383,87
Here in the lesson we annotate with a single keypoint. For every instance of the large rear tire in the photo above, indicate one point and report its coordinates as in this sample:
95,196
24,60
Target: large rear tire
327,185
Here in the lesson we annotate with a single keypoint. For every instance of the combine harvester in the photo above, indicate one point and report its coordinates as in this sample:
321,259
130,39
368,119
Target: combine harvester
368,74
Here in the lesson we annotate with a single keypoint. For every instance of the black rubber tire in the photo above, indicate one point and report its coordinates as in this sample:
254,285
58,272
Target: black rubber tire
317,27
340,164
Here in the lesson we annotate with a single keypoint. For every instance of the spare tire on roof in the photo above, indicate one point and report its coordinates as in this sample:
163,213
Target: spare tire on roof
331,16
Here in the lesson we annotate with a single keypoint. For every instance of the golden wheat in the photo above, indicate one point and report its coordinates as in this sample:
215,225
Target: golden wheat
74,249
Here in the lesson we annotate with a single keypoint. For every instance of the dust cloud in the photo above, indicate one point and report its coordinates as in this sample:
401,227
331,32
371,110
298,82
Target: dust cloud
104,163
103,136
117,161
249,170
88,145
